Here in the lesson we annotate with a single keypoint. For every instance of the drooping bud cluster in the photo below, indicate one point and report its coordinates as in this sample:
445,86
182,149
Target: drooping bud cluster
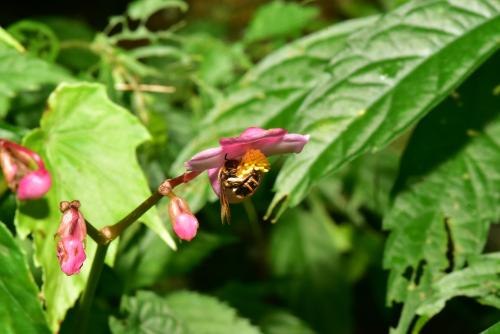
183,221
72,232
24,171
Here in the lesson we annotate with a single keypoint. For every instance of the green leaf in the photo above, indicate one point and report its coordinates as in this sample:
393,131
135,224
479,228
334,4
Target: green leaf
38,39
143,9
306,259
145,313
280,322
387,76
20,72
478,280
88,144
7,39
20,309
495,329
181,312
201,314
280,19
448,192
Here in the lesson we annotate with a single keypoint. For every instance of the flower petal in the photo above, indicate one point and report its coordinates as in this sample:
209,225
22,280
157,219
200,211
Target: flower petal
290,143
186,226
250,138
71,255
213,175
209,158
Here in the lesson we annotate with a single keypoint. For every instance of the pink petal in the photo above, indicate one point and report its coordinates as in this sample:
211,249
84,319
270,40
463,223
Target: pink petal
250,138
71,255
213,176
290,143
209,158
34,185
186,226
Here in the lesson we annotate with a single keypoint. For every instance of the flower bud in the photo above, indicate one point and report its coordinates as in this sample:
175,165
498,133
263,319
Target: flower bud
72,232
34,185
183,221
24,171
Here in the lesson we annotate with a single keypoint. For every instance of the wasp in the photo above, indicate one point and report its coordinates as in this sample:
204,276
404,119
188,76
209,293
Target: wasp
240,179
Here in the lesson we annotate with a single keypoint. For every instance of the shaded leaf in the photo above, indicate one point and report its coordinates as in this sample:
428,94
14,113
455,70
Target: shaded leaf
201,314
88,144
145,313
20,309
495,329
387,77
180,312
7,39
448,192
306,259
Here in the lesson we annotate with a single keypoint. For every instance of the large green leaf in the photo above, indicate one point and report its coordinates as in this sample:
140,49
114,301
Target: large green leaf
88,144
181,312
386,78
20,308
447,193
306,258
495,329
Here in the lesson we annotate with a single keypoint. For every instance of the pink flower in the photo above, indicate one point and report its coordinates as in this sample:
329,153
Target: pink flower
72,232
24,171
183,221
269,142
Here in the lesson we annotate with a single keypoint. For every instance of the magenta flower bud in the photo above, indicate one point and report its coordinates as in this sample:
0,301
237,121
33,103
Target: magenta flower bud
24,171
72,232
71,255
183,221
34,185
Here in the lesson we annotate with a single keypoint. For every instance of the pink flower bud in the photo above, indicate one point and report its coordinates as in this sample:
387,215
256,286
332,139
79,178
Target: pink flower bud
72,231
34,185
71,255
24,171
183,221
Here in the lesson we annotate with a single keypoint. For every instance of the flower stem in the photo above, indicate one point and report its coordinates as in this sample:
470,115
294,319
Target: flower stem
107,234
88,296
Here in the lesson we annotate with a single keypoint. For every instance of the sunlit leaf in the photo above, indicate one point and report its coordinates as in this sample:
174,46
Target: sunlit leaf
20,308
88,144
386,77
143,9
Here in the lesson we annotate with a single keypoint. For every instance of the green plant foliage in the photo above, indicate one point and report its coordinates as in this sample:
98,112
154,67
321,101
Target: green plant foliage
7,40
495,329
37,38
279,19
307,260
143,9
20,309
279,322
385,79
93,141
180,312
447,196
268,95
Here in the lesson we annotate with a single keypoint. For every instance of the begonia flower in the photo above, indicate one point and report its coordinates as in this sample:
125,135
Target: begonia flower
24,171
72,233
269,142
183,221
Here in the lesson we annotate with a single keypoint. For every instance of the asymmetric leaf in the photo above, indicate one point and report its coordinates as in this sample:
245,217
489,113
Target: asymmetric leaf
88,144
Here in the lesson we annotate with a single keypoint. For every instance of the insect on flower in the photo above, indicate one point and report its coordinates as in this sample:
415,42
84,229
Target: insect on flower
236,168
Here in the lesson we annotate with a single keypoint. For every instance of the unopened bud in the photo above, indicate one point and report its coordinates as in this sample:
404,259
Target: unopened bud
183,221
23,170
72,232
